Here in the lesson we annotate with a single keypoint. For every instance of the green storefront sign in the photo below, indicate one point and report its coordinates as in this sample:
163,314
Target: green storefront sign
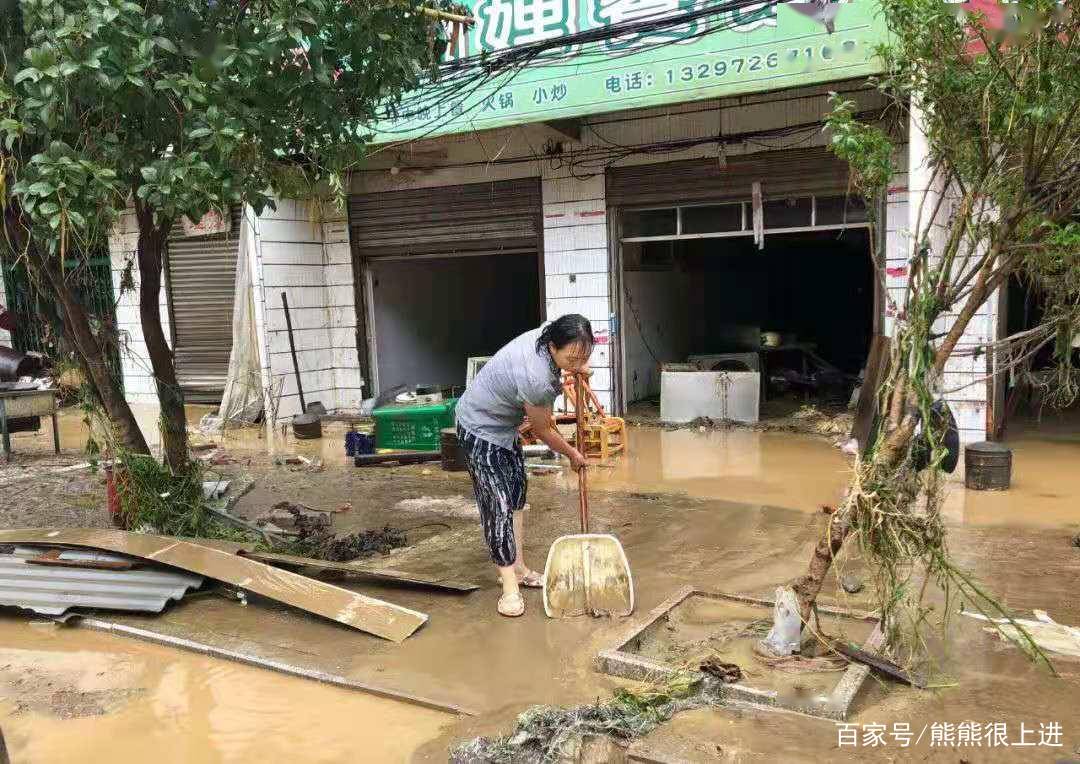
760,48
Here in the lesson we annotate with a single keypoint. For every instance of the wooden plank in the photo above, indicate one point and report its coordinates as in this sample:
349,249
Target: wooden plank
52,557
877,365
368,614
877,663
383,574
357,568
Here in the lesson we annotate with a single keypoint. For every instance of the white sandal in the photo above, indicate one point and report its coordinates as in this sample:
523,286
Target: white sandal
511,605
531,580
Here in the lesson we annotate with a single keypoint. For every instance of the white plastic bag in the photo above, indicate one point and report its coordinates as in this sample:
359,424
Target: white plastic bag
785,636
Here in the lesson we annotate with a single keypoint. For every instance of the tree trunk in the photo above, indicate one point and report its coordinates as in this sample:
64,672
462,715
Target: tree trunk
900,422
92,359
75,325
808,587
151,247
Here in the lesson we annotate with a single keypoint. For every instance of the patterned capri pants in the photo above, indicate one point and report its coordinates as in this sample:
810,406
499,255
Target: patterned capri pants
499,482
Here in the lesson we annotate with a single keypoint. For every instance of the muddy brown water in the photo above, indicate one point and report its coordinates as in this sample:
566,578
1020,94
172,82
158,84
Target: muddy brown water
724,510
732,465
69,695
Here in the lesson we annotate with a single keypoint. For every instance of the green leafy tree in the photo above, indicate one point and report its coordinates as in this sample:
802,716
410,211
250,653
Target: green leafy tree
998,105
56,170
177,107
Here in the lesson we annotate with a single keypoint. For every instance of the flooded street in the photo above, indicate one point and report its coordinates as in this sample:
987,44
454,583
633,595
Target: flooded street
804,472
721,510
67,694
736,465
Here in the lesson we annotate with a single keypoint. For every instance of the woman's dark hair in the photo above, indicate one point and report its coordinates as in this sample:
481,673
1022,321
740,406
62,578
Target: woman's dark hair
566,330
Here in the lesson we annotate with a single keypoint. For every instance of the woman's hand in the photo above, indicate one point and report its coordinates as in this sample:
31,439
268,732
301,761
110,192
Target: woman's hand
577,461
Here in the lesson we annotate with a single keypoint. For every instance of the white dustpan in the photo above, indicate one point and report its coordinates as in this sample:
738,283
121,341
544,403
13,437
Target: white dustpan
587,573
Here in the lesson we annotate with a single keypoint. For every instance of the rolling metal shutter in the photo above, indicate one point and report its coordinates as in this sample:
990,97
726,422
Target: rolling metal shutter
503,216
782,173
202,282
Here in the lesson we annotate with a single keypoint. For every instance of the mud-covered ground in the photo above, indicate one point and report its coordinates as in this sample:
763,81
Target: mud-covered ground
722,511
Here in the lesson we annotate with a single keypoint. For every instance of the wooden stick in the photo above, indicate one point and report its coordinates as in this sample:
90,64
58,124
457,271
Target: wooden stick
400,457
877,663
292,350
583,491
444,16
52,557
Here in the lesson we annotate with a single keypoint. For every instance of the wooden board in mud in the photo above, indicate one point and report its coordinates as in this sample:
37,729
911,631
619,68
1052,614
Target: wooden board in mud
382,574
356,568
383,619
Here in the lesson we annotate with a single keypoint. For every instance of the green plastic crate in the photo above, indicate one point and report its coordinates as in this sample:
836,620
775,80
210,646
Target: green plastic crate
413,428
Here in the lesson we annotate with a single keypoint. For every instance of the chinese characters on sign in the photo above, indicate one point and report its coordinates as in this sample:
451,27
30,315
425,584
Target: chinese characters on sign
502,24
756,47
966,734
552,94
628,81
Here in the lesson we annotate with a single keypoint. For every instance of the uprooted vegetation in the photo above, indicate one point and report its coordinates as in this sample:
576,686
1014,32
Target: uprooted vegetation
549,733
155,500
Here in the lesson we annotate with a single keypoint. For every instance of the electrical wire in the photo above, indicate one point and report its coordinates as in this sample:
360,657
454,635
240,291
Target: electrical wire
594,160
640,328
460,80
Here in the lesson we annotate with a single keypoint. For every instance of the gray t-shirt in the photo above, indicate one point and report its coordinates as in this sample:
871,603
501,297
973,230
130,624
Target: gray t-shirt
493,406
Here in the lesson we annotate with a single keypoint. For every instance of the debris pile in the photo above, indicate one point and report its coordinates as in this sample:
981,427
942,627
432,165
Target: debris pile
550,733
726,672
822,422
808,419
316,539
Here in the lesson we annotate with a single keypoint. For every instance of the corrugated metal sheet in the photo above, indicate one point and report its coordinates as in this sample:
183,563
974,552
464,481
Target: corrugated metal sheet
202,282
782,173
500,216
52,590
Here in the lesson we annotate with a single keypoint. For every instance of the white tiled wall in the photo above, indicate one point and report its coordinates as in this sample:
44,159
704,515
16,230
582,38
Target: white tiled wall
964,383
576,276
139,384
310,261
5,335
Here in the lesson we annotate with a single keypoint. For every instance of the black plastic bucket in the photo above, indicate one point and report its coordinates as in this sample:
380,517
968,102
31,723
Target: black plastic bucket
987,467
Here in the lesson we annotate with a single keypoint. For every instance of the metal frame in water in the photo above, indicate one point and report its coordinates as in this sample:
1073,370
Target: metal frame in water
624,661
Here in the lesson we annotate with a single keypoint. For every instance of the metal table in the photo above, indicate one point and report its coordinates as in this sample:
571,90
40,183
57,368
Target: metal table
17,404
